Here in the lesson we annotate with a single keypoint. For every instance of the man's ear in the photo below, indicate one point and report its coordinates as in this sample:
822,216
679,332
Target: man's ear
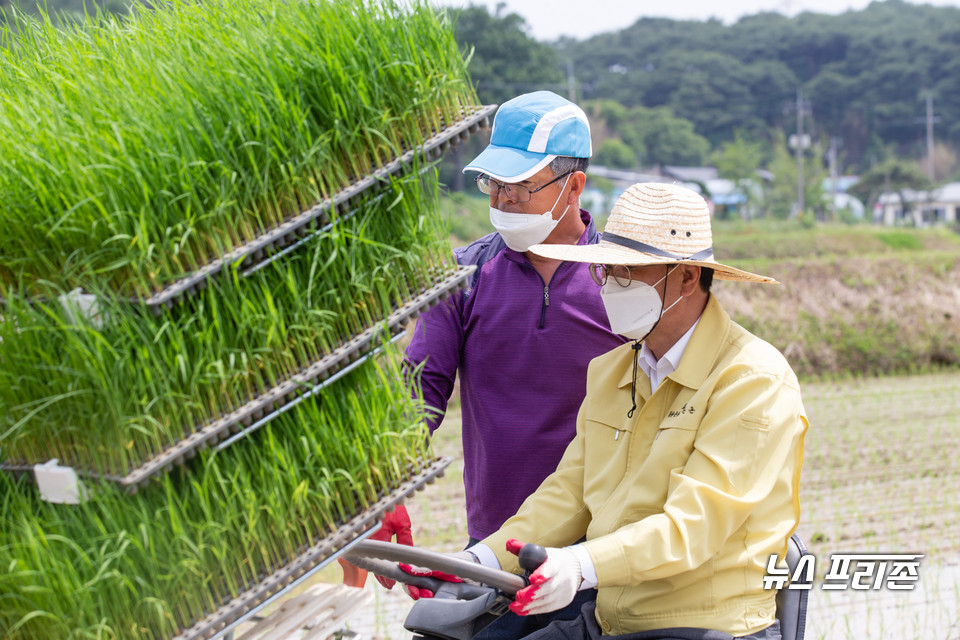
691,279
578,182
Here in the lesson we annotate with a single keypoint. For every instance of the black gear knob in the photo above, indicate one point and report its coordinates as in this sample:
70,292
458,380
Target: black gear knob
531,556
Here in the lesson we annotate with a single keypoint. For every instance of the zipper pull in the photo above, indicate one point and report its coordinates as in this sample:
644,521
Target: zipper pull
546,296
617,435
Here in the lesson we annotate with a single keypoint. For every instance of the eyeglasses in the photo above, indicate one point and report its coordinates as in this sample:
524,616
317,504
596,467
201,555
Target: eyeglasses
515,192
622,274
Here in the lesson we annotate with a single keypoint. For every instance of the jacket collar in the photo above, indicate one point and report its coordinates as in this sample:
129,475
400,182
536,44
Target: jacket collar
704,347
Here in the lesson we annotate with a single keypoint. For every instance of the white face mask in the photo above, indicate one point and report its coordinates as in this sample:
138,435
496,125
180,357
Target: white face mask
523,230
633,310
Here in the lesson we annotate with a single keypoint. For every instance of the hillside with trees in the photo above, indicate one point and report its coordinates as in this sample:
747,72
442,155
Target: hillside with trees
864,75
863,78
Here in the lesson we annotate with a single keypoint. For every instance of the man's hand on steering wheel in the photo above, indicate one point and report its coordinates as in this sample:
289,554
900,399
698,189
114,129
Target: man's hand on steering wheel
419,592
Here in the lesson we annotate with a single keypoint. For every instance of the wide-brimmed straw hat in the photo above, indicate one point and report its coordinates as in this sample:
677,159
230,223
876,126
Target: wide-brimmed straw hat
654,223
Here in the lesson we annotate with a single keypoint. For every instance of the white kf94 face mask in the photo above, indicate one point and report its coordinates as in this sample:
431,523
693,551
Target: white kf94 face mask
633,310
523,230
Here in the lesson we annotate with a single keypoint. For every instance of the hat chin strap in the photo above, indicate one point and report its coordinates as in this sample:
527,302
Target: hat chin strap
637,344
646,248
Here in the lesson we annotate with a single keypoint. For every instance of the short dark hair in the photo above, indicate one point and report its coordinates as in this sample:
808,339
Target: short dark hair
706,279
567,164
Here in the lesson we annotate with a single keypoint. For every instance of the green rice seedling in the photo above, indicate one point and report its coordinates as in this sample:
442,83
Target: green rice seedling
108,395
150,565
134,150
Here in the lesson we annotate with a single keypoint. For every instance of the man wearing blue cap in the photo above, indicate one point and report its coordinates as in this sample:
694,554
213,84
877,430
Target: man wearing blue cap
523,333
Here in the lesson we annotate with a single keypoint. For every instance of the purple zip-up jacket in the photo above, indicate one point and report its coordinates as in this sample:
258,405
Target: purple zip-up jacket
522,350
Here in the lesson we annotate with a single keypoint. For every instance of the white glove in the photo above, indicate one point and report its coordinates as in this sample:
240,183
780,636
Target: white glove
552,586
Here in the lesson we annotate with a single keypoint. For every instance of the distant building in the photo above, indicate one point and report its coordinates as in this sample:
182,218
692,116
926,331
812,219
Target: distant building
845,202
726,198
837,198
599,201
691,174
923,208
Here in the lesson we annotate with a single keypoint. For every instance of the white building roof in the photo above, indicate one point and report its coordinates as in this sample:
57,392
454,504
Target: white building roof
948,193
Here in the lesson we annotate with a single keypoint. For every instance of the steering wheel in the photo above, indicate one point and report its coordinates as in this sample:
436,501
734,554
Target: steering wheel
458,610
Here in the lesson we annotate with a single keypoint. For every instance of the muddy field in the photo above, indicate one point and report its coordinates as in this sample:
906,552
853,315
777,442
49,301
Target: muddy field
880,476
881,470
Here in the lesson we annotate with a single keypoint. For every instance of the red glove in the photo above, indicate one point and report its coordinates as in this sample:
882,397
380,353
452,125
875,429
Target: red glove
395,523
418,592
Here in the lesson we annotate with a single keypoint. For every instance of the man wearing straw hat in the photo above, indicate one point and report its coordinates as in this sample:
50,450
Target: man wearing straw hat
684,472
524,319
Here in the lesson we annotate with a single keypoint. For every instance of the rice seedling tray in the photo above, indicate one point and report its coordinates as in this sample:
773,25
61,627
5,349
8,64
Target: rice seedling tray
249,256
283,396
311,560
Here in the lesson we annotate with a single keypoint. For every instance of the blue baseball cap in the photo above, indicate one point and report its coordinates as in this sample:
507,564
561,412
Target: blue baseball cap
529,131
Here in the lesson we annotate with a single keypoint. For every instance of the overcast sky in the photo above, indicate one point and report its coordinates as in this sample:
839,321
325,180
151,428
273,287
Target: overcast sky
550,19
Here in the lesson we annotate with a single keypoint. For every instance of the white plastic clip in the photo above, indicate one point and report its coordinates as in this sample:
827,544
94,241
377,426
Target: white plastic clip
83,305
59,484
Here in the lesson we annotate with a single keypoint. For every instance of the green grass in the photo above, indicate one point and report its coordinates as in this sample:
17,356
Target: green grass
133,151
900,240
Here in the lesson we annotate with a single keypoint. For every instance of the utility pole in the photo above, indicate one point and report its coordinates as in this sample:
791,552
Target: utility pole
930,135
800,195
834,175
801,142
571,83
929,120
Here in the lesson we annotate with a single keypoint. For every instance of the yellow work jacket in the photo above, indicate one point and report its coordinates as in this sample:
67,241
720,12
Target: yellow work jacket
682,504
